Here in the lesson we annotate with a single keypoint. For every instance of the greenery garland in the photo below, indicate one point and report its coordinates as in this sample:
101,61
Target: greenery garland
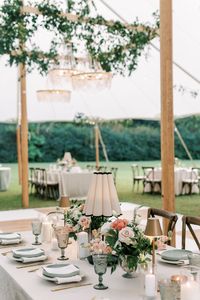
115,45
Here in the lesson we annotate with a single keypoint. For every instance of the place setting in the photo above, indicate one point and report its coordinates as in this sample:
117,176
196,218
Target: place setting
29,256
61,273
9,238
175,256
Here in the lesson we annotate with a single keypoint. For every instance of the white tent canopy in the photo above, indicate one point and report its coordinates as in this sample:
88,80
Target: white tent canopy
137,96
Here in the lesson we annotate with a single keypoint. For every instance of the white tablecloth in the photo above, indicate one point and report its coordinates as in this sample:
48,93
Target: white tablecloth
71,184
179,175
19,284
5,176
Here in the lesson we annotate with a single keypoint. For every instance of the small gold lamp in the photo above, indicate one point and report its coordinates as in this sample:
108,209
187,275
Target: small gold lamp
153,229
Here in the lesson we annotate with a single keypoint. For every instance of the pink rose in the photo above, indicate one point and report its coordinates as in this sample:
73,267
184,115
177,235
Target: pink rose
125,235
84,222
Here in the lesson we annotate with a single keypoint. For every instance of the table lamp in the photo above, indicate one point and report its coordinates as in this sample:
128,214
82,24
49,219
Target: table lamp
153,229
102,198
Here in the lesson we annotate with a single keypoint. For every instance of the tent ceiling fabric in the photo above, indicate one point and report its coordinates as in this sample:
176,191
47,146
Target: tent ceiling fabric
137,96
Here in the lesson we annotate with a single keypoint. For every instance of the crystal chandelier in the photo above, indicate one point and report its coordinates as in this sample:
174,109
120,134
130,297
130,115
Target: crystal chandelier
91,76
80,73
66,68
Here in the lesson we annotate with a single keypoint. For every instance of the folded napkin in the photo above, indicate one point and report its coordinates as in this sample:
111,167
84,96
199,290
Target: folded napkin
10,242
59,270
60,280
32,259
10,236
27,252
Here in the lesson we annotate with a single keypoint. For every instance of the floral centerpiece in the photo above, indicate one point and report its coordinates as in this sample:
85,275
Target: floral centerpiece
128,242
74,216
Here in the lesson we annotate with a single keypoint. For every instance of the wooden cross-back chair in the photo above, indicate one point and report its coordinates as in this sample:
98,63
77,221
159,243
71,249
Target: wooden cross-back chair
170,216
137,178
150,179
187,222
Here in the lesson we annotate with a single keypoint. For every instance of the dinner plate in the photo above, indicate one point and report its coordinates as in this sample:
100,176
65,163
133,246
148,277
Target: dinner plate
59,270
175,254
10,235
53,279
27,252
174,262
27,259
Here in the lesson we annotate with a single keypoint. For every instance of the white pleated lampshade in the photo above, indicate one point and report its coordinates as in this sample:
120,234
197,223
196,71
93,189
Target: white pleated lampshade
102,198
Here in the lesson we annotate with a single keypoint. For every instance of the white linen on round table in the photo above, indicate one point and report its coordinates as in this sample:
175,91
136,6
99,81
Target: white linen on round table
5,176
179,175
74,184
71,184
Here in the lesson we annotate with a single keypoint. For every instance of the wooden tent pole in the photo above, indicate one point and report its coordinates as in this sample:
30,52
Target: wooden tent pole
24,137
19,156
96,130
167,119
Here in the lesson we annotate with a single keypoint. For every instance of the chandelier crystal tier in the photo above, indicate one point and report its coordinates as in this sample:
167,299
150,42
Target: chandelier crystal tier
91,76
53,95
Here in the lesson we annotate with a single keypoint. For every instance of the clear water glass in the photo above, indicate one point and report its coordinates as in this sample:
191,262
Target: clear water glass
100,267
36,230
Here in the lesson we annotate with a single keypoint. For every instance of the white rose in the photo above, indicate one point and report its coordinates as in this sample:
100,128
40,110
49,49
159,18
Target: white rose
138,219
105,228
125,235
76,214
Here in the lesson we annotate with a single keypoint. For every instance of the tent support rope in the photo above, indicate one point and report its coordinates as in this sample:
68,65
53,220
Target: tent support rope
183,143
155,47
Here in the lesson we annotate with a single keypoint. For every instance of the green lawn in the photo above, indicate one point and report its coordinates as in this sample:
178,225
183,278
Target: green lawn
11,199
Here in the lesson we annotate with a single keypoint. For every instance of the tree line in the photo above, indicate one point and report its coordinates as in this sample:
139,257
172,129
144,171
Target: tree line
130,140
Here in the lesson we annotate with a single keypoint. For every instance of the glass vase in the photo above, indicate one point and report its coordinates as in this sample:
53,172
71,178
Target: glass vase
129,264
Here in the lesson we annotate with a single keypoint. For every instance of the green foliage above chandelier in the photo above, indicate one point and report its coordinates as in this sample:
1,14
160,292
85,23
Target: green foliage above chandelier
116,46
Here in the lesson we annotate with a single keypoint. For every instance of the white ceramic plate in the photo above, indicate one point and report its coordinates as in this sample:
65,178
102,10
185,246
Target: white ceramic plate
53,279
175,254
28,252
10,235
11,257
174,262
59,270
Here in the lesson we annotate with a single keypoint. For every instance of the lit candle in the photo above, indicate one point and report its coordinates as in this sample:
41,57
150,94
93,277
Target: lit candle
179,278
150,285
46,231
82,239
190,290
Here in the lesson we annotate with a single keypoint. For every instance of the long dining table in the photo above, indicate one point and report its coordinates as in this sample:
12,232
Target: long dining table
26,284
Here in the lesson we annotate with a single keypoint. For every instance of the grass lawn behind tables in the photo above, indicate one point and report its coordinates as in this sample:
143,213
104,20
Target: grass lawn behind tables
187,204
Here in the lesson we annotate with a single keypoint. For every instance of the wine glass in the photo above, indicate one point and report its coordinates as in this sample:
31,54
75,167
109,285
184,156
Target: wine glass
100,267
36,230
62,236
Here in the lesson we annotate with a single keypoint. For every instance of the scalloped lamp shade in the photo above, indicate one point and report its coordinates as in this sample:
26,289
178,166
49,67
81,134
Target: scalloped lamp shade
102,198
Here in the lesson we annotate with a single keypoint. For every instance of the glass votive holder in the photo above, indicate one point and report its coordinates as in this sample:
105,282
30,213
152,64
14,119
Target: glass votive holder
177,280
192,272
168,289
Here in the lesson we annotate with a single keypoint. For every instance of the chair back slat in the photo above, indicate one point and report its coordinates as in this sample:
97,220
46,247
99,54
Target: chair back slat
187,222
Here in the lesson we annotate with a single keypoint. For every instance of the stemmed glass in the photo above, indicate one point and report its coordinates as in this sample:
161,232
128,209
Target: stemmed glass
100,267
62,236
36,230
